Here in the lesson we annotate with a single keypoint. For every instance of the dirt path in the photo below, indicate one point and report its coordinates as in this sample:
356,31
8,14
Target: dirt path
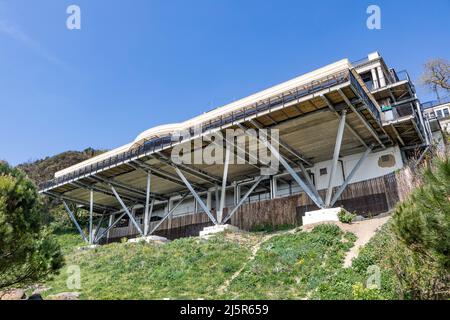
364,231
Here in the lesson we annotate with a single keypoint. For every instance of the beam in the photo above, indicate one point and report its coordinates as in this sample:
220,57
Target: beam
112,225
91,211
160,173
347,125
286,146
98,226
169,213
126,210
118,185
195,194
77,201
147,203
103,191
75,221
241,201
200,174
364,121
350,176
397,135
224,185
337,149
317,200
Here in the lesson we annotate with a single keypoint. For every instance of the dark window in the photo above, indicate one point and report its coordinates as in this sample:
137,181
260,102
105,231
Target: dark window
446,114
323,171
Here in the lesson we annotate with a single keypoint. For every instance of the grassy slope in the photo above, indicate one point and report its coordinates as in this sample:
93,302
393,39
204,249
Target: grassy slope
287,266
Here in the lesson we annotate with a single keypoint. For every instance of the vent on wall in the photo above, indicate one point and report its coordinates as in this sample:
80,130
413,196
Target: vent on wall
386,161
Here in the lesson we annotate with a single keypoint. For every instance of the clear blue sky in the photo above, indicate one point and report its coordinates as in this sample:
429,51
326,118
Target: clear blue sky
136,64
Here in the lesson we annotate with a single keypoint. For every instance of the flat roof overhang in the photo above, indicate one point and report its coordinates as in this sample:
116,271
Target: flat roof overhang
307,125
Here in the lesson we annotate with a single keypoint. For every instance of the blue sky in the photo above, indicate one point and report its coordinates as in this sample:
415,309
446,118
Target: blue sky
136,64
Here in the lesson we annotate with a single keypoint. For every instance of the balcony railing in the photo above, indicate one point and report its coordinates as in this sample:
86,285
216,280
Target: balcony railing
434,103
408,109
367,101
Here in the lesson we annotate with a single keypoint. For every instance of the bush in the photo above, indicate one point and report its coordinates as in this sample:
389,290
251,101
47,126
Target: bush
28,251
346,217
422,226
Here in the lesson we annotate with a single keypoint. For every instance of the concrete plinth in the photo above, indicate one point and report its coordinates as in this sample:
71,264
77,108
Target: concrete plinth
218,228
149,239
330,214
88,247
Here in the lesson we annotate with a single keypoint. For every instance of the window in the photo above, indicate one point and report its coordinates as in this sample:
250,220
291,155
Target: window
323,171
367,78
446,113
439,113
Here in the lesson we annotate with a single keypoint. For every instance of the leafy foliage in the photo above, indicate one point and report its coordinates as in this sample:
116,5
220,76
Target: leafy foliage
422,224
28,252
44,169
345,217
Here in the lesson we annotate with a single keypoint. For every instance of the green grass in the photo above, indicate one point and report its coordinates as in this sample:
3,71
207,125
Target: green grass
294,265
291,266
187,268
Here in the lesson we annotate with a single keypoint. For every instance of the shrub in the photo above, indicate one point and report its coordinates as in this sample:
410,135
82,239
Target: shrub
422,226
28,252
345,217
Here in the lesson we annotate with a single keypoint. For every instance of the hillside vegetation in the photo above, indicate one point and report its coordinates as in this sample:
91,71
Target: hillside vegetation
288,265
44,169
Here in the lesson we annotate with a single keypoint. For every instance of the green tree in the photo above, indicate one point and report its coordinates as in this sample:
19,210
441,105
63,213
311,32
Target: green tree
422,224
28,252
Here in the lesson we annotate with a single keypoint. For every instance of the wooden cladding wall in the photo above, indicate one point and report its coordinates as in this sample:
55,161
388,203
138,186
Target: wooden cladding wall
367,198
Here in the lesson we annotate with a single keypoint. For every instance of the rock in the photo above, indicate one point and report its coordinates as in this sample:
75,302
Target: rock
359,218
65,296
38,289
14,294
149,239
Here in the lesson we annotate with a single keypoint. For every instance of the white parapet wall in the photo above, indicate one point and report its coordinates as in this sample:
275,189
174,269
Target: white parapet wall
217,229
322,215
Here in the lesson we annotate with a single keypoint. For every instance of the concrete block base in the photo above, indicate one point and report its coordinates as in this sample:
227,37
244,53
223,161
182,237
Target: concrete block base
330,214
88,247
149,239
218,228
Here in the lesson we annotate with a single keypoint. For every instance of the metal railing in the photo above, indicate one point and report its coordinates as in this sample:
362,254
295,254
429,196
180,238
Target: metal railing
148,146
363,95
408,109
434,103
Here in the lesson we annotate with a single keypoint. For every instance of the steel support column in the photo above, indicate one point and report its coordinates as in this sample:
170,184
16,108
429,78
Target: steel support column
350,176
124,207
91,212
241,201
317,200
147,203
75,221
196,196
224,185
169,213
337,149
